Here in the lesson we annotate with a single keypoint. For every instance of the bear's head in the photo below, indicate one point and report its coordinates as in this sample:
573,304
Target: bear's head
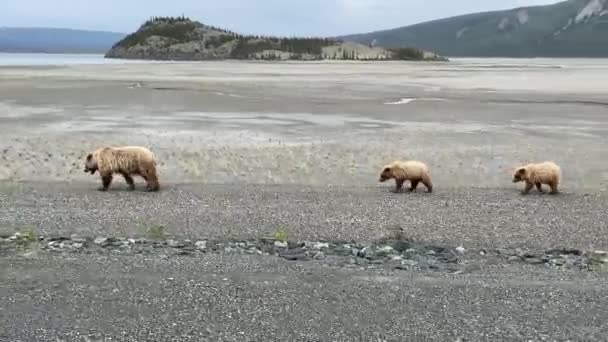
386,174
519,175
90,165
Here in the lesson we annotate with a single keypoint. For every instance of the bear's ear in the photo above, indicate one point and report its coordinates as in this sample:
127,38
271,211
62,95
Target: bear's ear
89,157
386,169
521,171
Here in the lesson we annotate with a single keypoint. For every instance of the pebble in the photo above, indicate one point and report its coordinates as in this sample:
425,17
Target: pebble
77,245
319,256
460,250
76,238
386,250
175,244
281,244
514,258
320,245
600,256
408,262
202,245
102,241
533,261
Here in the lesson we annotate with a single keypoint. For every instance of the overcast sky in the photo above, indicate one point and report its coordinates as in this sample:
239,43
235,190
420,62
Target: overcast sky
276,17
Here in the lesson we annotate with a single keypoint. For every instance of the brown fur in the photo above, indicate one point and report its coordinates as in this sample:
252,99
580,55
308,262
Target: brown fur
125,160
411,170
536,174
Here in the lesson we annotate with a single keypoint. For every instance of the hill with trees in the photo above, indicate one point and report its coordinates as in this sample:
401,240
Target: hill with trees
179,38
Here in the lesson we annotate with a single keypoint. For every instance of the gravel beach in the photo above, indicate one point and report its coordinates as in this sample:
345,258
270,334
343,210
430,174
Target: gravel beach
271,224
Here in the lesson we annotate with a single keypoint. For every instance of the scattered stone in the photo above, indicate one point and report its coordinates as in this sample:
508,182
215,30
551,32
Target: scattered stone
281,244
295,254
386,250
408,262
101,241
367,253
319,256
400,245
76,238
404,254
201,245
320,245
600,257
533,261
77,245
175,244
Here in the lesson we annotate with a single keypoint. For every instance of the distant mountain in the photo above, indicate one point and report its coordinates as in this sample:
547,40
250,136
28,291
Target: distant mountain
56,40
180,38
572,28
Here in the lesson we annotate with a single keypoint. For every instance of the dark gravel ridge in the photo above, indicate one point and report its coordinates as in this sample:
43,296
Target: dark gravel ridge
474,218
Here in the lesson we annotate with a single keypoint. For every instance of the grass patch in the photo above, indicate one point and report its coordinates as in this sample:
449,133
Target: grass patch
281,235
26,239
156,231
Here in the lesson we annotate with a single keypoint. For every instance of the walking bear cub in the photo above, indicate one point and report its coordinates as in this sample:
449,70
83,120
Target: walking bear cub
536,174
411,170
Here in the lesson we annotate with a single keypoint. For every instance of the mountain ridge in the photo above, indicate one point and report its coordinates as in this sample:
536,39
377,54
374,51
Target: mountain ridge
56,40
571,28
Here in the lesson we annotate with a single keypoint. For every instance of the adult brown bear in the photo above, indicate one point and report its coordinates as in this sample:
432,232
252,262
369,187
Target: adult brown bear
125,160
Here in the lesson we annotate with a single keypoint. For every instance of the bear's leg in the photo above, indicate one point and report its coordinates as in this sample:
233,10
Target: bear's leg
553,186
528,187
413,185
539,187
129,180
152,180
105,182
426,180
398,185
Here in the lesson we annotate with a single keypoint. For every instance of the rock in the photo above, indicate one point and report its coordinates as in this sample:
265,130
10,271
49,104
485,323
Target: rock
460,250
77,245
533,261
397,258
386,250
319,256
514,258
408,262
354,252
201,245
599,257
320,245
400,245
78,239
175,244
294,254
367,253
101,241
281,244
377,262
